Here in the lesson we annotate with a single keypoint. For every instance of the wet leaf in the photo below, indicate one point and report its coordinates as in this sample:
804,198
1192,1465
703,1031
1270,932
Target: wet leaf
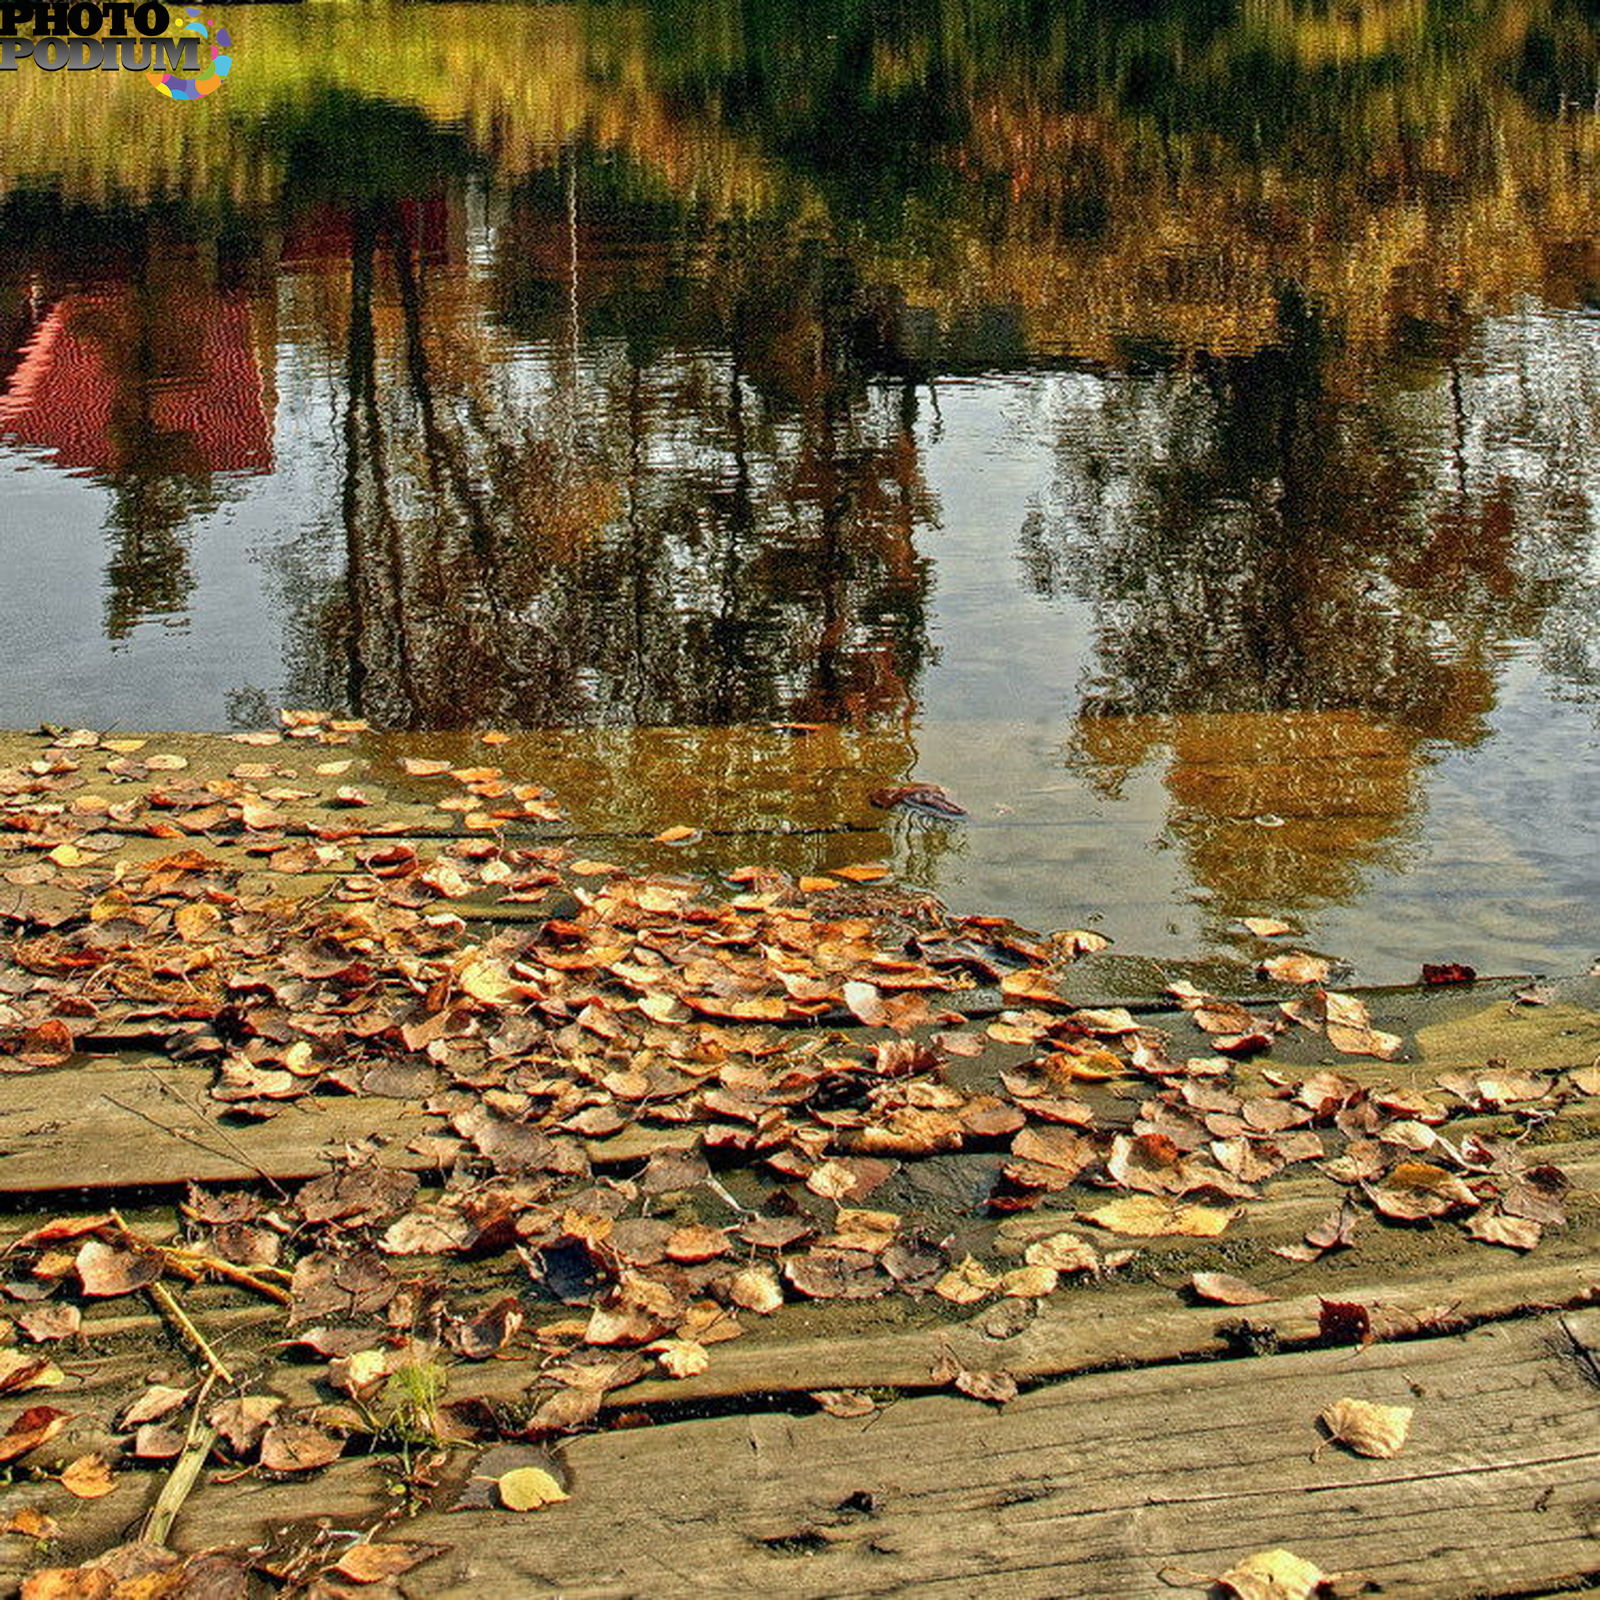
1296,968
373,1563
1368,1429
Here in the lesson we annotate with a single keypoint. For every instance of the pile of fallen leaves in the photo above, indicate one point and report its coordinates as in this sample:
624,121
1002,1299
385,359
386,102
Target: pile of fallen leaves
603,1074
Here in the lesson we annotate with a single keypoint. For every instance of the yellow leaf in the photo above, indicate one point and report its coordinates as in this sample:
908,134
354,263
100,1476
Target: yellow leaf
1369,1430
529,1489
89,1477
1274,1575
1152,1216
680,1358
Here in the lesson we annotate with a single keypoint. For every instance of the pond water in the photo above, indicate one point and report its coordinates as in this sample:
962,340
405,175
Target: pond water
1174,428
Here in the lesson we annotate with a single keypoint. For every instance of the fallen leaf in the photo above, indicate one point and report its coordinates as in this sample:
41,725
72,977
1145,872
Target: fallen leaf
1276,1575
1266,927
373,1563
89,1477
34,1427
1154,1216
680,1358
1368,1429
845,1402
529,1489
1296,968
1495,1227
298,1447
32,1523
1225,1290
104,1270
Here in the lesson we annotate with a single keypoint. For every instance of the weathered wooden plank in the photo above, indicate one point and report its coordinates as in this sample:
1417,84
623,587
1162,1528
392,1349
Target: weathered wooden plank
121,1124
1110,1484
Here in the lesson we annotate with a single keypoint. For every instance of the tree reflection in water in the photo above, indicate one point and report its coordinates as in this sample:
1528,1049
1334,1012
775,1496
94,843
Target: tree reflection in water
630,359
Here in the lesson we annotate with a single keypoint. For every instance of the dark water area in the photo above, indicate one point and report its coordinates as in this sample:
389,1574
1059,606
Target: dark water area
1172,427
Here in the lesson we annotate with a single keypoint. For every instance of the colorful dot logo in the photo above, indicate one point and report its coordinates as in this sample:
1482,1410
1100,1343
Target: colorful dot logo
216,60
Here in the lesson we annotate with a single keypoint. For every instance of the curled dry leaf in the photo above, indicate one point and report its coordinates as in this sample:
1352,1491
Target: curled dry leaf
34,1427
756,1289
1368,1429
56,1320
32,1523
529,1489
680,1358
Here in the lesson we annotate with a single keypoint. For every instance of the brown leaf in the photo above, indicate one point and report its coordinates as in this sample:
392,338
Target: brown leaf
34,1427
845,1402
372,1563
1227,1291
1296,968
1495,1227
47,1045
104,1270
32,1523
298,1447
1368,1429
54,1321
995,1388
89,1477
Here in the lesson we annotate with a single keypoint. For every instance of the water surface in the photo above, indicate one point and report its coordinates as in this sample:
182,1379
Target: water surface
1172,428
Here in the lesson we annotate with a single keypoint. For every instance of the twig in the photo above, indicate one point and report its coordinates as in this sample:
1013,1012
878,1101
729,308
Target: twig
196,1264
163,1298
181,1480
233,1144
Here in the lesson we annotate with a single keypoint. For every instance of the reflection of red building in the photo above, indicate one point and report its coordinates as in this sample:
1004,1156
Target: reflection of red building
434,226
104,386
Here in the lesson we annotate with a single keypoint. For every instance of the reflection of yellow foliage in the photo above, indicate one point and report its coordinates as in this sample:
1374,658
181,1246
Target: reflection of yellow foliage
1336,792
1438,194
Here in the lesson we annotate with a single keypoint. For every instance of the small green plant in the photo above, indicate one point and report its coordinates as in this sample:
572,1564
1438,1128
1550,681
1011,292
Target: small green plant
411,1400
